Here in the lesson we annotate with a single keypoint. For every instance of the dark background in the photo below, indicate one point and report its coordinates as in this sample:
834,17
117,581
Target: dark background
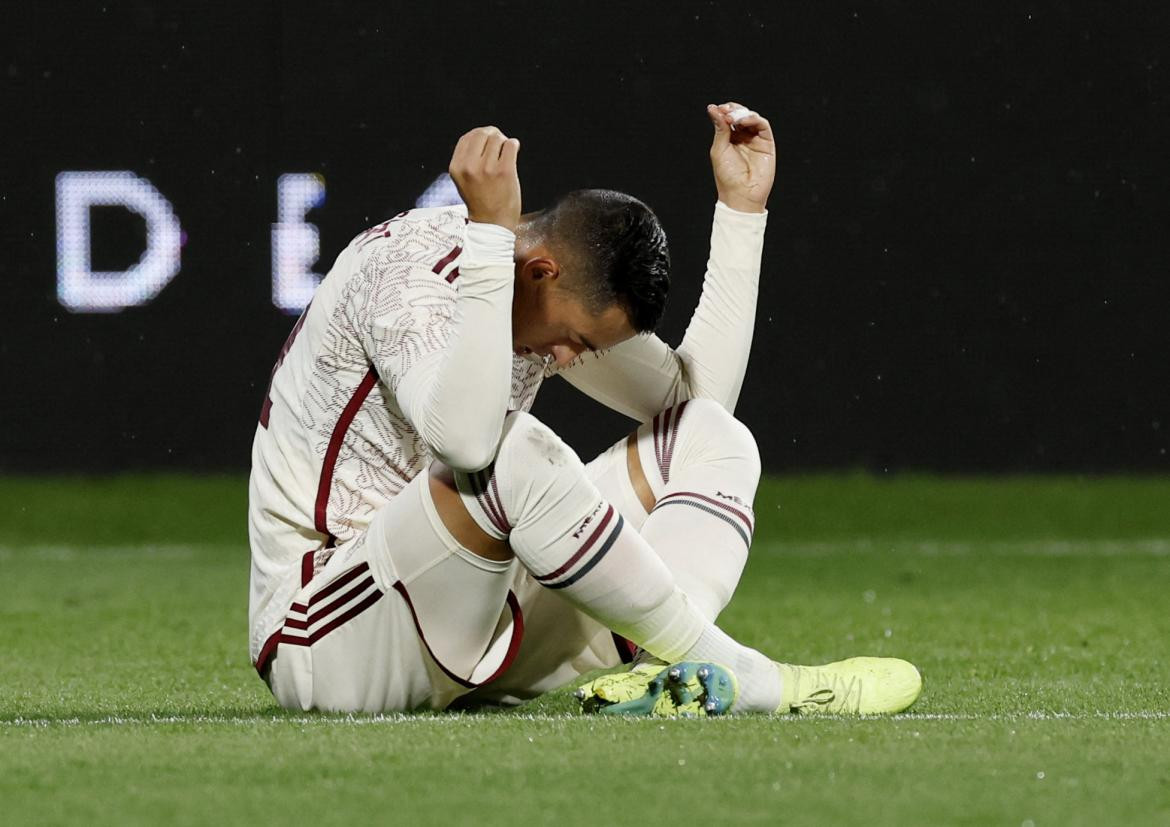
967,253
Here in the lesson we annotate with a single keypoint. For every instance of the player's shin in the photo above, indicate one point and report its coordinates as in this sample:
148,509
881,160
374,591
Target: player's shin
702,466
573,541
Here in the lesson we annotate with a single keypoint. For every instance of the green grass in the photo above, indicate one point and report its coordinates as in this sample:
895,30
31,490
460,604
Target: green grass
1037,609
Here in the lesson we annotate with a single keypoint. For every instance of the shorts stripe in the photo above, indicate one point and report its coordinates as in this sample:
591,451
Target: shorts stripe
337,583
509,656
593,561
298,623
302,624
370,599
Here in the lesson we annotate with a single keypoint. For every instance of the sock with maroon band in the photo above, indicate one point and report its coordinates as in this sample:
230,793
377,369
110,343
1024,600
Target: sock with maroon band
703,468
573,541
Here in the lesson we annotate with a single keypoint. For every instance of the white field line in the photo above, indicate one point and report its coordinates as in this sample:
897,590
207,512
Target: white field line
473,720
1147,547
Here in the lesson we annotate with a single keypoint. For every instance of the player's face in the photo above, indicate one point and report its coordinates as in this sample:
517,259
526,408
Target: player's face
549,320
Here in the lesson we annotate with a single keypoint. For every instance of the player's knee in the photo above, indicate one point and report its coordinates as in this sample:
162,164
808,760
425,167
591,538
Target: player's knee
714,433
530,448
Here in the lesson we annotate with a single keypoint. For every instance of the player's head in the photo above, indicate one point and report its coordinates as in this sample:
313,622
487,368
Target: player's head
593,271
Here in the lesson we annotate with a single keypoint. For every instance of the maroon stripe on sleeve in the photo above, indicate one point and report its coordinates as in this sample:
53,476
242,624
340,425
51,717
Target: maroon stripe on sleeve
597,532
454,274
325,484
447,259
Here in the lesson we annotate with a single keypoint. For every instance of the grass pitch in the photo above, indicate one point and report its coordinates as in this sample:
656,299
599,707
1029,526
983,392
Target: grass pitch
1037,609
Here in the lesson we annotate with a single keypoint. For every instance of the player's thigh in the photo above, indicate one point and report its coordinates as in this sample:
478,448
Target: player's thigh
348,642
400,617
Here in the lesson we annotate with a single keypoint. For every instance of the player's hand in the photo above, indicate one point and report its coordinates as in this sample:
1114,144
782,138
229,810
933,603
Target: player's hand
483,167
743,157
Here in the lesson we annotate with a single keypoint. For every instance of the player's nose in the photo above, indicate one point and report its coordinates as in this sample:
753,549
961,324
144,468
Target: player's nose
563,354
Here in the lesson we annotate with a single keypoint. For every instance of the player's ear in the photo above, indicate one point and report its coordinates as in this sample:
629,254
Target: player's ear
541,268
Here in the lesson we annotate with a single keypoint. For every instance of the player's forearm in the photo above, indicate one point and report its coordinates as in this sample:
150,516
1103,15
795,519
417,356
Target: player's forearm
459,408
714,352
638,378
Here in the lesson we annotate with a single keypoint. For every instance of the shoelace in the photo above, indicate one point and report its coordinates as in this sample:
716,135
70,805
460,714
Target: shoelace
844,694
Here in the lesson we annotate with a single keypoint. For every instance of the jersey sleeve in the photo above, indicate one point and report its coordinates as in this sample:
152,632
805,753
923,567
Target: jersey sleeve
638,377
643,375
447,356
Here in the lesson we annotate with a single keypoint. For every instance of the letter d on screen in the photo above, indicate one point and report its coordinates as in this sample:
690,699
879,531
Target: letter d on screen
79,288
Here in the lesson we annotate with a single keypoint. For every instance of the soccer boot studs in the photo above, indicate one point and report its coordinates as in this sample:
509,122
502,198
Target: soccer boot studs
687,689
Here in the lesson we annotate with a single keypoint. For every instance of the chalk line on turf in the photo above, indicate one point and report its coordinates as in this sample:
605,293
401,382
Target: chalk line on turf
455,719
1149,547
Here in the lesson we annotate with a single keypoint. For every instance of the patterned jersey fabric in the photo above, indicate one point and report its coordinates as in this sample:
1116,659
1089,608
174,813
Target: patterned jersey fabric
333,445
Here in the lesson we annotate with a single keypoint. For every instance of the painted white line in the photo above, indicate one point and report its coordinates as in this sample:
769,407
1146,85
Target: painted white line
1147,547
402,719
1039,715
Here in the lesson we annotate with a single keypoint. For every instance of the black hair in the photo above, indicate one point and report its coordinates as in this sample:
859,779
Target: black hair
617,248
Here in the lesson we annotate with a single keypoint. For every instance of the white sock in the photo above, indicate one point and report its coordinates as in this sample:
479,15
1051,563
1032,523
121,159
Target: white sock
703,468
572,540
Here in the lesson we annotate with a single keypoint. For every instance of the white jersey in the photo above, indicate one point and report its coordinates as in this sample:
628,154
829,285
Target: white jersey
333,444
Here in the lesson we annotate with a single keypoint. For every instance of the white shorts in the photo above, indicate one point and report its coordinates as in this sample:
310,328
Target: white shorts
403,617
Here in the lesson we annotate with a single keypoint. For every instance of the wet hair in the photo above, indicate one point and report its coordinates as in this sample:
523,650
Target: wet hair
615,252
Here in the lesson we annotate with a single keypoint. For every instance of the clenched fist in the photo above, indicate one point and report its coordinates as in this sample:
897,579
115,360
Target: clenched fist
483,167
743,156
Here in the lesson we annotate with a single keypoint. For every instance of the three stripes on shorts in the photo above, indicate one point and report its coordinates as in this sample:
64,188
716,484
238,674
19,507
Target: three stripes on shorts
337,603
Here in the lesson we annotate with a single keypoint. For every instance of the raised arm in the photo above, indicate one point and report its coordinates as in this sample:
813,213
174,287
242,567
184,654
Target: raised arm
477,363
644,375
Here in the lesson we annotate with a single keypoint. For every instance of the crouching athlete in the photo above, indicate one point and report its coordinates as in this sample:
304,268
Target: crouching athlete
417,537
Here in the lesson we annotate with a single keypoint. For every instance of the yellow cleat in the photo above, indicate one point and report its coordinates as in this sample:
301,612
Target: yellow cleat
686,689
857,686
619,688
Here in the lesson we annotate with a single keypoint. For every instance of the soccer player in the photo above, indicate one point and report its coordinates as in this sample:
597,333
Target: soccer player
418,537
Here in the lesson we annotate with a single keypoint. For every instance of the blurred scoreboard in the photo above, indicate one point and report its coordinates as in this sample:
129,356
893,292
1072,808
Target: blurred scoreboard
295,240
